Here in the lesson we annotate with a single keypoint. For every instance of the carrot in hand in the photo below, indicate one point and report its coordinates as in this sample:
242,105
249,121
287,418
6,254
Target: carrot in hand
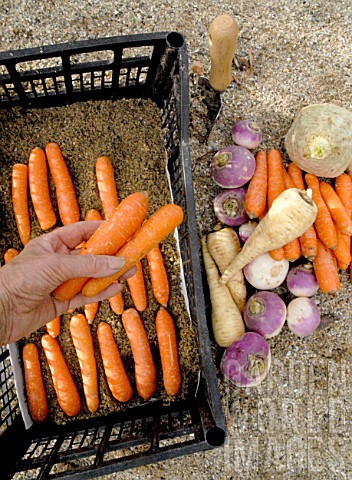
336,208
308,240
36,396
19,195
83,343
255,201
10,254
116,376
65,388
39,188
324,224
65,192
276,185
166,335
106,185
151,233
53,327
325,269
144,368
137,288
111,235
158,275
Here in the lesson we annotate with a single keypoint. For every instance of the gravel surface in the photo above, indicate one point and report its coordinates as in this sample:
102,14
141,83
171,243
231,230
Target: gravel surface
297,424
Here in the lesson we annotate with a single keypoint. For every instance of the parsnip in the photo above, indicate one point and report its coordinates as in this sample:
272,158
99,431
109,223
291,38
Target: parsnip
227,322
224,246
290,215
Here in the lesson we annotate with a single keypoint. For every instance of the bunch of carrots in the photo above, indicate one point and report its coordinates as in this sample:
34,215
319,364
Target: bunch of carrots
126,232
327,243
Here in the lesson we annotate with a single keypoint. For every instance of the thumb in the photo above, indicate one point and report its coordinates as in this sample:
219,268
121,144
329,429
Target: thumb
66,267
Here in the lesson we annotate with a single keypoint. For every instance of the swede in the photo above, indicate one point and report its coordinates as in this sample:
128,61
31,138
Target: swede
224,245
319,139
290,215
226,319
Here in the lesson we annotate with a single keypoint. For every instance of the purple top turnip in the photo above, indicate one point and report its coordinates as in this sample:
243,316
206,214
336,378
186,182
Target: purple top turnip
303,316
247,133
232,166
301,281
229,206
246,362
265,313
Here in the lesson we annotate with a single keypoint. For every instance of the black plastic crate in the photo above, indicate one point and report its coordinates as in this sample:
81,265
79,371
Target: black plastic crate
148,66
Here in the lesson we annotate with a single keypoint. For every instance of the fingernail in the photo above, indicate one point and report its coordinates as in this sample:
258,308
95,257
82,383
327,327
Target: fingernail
116,263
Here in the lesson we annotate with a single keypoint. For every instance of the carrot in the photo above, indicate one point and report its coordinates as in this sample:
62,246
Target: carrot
308,240
325,269
137,288
116,376
91,309
158,275
83,343
65,388
65,193
296,174
53,327
336,208
166,335
151,233
117,304
111,235
106,185
255,202
36,396
324,224
10,254
342,251
144,368
292,250
39,188
20,201
276,185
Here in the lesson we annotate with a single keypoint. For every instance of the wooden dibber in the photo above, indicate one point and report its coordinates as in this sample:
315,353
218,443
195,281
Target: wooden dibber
223,35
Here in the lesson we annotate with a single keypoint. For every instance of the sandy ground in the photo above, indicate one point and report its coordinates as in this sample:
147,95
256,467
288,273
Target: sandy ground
298,423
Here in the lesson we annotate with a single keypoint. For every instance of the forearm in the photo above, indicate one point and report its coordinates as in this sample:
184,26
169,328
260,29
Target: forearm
5,324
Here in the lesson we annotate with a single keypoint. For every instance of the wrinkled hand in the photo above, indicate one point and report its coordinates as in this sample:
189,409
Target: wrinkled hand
27,281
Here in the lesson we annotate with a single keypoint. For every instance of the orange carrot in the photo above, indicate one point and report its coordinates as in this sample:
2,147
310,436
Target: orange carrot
255,202
144,368
292,250
83,343
65,388
276,185
91,309
297,176
117,304
106,185
342,251
336,208
343,188
111,235
53,327
137,288
166,334
20,201
158,275
36,396
324,224
308,240
10,254
325,269
116,376
65,193
151,233
39,188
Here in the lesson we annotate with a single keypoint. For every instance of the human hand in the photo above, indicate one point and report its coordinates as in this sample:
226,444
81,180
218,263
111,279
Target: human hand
27,281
